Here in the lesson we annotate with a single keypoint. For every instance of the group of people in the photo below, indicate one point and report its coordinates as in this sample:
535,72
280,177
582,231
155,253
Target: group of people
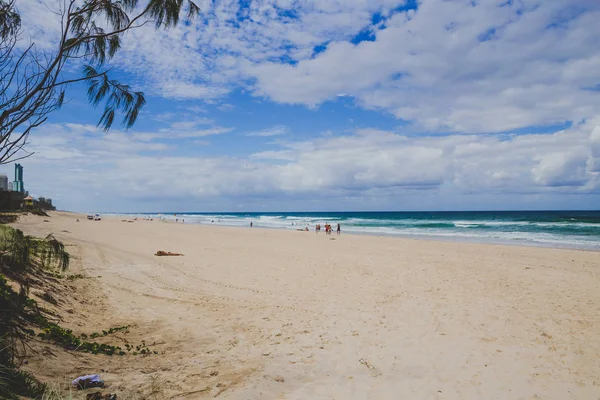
328,228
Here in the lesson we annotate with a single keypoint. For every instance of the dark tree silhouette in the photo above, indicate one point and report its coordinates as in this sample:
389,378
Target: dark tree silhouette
32,84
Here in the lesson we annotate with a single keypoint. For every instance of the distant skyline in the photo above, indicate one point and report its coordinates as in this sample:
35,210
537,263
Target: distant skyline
280,105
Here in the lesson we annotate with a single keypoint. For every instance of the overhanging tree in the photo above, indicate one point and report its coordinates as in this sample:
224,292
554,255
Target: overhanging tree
32,82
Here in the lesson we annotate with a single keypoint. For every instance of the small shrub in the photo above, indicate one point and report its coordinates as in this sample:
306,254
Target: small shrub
17,312
14,383
19,252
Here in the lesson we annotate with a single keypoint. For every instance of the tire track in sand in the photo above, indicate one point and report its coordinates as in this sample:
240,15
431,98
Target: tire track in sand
159,282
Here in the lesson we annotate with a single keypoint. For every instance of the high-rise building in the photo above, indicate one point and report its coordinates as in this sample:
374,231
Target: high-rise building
3,182
18,185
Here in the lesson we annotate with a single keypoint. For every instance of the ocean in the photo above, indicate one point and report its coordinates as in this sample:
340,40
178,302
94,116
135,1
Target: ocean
570,229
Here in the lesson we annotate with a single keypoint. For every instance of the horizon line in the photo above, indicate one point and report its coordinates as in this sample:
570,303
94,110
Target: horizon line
323,212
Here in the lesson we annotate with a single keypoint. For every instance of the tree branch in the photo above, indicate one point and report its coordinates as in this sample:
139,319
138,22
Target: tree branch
85,78
32,83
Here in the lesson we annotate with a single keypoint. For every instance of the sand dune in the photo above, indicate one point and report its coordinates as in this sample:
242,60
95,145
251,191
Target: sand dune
268,314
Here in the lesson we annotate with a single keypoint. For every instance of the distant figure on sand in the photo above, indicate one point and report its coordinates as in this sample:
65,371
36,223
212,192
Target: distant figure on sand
338,229
250,224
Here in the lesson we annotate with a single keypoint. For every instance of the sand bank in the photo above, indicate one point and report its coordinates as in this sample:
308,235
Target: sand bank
269,314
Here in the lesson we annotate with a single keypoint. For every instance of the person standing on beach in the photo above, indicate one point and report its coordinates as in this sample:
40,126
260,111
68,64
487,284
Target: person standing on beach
339,229
250,224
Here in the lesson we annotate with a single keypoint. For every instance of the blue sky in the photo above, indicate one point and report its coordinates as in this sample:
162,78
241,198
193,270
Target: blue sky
282,105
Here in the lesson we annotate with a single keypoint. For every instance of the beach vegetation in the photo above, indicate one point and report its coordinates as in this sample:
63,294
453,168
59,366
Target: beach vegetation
18,314
55,392
34,81
23,258
19,252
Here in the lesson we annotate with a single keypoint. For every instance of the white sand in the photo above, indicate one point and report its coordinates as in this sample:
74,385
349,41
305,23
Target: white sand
358,317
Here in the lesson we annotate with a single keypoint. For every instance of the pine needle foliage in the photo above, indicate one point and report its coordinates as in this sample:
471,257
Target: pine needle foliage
32,83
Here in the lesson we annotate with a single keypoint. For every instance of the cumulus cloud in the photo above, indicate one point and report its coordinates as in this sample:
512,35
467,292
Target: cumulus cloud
434,68
108,170
462,73
449,65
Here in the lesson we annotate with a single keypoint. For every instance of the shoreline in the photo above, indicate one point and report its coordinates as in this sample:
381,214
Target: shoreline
406,236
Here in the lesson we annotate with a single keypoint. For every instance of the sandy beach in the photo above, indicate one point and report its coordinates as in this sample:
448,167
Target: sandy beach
273,314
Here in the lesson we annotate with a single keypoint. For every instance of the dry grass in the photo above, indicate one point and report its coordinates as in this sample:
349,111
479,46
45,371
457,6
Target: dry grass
55,391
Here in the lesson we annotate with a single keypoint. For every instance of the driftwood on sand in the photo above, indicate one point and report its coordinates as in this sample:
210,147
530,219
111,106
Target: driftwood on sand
166,253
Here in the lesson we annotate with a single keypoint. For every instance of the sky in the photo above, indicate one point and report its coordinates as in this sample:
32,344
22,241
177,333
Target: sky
331,105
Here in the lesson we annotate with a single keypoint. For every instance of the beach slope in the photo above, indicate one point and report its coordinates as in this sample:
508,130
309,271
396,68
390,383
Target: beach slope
270,314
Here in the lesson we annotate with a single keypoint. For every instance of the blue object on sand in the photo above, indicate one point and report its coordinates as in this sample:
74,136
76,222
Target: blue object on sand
88,381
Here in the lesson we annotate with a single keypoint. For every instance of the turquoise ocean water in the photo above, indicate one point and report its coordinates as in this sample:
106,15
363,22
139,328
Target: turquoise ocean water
571,229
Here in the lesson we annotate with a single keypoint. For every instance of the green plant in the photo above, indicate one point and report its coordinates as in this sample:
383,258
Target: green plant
141,348
17,313
20,252
108,332
34,81
15,248
51,251
14,383
65,338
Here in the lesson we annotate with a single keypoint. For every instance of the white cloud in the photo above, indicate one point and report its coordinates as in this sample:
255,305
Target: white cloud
188,90
166,116
146,136
190,124
369,164
226,107
420,71
452,65
563,169
273,131
431,67
200,132
428,66
196,109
